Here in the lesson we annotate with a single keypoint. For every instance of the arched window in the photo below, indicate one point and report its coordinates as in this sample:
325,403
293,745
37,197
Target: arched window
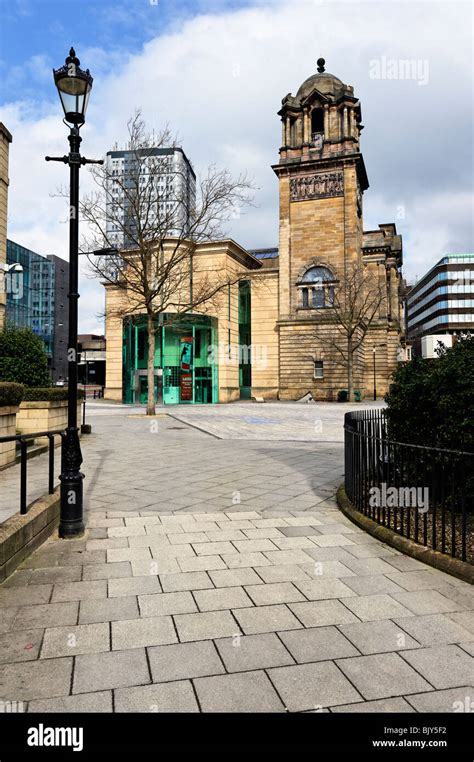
316,288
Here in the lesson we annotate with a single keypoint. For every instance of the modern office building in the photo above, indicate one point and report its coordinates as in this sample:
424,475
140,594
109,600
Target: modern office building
441,304
173,178
5,140
38,300
266,337
91,365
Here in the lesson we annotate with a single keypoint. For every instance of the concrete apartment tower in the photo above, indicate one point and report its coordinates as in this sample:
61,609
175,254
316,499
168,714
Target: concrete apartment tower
5,140
322,179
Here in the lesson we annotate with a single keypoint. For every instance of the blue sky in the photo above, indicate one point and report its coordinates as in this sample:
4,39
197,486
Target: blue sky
44,30
216,72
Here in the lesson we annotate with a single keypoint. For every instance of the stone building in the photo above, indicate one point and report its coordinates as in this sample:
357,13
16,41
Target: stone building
283,304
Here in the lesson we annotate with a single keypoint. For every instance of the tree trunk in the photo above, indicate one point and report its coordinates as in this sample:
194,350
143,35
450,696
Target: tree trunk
150,406
350,381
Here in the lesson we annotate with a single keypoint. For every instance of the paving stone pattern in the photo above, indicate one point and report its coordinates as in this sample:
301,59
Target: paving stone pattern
218,574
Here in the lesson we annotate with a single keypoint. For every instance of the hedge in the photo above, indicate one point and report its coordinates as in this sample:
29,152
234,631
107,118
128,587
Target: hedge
48,394
11,394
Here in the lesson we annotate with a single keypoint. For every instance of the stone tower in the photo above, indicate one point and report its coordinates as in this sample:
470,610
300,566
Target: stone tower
322,179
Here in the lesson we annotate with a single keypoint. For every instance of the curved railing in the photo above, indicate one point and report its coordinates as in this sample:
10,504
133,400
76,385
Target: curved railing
423,493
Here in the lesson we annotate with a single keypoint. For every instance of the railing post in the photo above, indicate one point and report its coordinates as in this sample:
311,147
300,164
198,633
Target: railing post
23,476
51,464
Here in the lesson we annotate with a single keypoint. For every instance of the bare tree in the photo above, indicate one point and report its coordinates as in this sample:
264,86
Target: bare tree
356,299
154,269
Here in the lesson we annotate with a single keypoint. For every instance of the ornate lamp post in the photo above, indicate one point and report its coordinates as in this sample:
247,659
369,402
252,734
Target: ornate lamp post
74,87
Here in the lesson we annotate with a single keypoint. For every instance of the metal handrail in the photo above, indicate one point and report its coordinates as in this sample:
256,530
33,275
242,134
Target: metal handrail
23,441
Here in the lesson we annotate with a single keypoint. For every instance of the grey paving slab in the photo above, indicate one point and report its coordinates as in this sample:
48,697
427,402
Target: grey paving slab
266,619
443,666
372,607
166,603
69,641
184,661
240,560
317,644
389,706
79,591
150,631
322,613
114,669
185,581
251,652
100,701
368,585
274,592
285,573
445,701
35,679
48,615
165,697
108,610
133,586
106,571
235,577
382,676
435,629
201,563
55,574
379,636
427,602
319,589
34,595
238,692
222,598
205,626
21,645
312,686
464,618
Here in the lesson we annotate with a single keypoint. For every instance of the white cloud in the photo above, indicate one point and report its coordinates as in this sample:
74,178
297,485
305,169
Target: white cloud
218,79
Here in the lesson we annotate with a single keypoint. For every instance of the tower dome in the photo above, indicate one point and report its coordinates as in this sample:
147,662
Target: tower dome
323,81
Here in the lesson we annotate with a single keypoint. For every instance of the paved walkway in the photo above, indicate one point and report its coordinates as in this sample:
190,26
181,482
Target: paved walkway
219,575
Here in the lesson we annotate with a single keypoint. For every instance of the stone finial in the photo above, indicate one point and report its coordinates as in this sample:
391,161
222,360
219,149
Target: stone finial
321,63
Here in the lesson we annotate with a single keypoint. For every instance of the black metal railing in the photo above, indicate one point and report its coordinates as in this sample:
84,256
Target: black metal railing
423,493
22,440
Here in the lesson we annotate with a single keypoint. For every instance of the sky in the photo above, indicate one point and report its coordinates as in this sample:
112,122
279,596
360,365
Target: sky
215,71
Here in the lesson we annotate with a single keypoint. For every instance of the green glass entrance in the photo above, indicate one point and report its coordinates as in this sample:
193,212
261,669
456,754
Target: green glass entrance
183,371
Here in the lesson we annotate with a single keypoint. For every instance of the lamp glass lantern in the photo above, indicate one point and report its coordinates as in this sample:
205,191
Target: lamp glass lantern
74,87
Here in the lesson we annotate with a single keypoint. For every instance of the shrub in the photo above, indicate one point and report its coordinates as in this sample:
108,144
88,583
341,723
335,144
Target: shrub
48,394
431,402
23,357
11,394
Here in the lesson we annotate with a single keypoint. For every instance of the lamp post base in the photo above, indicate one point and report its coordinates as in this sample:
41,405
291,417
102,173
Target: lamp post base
71,523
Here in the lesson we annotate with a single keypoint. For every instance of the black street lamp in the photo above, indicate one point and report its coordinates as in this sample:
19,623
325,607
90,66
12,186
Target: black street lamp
74,87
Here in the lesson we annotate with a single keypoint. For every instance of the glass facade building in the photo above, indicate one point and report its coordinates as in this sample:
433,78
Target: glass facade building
184,371
38,300
443,300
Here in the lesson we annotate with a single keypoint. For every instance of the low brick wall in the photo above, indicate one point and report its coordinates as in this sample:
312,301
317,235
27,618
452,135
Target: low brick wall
44,416
21,535
8,417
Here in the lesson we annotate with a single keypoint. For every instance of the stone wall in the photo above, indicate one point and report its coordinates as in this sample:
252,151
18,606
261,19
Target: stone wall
8,429
43,416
